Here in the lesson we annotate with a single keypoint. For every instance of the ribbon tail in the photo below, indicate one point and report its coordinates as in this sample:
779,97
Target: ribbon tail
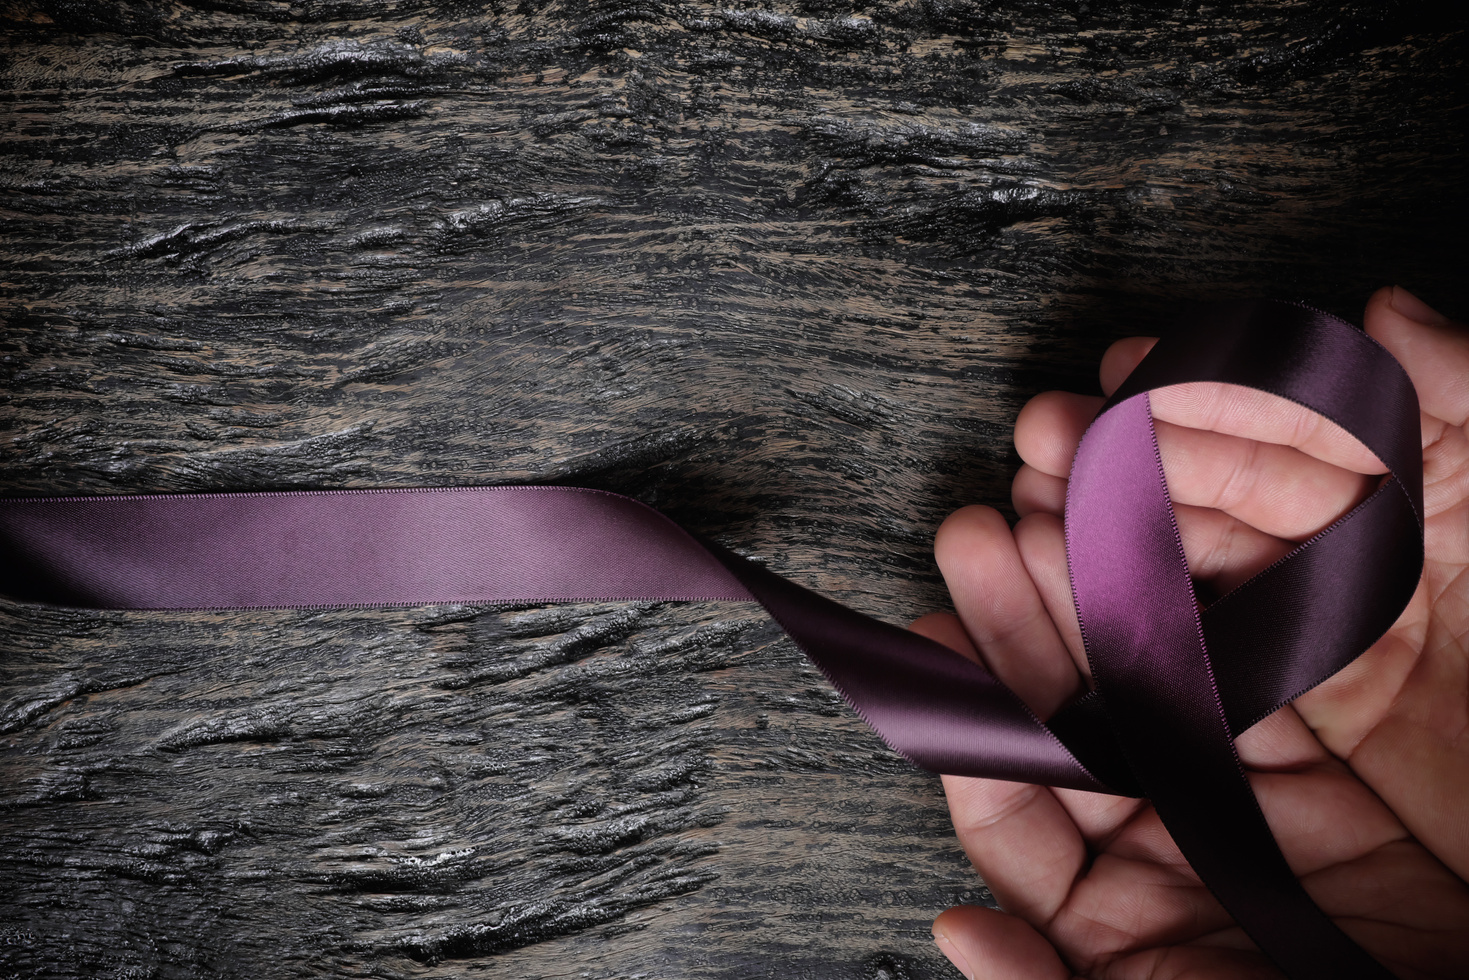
943,712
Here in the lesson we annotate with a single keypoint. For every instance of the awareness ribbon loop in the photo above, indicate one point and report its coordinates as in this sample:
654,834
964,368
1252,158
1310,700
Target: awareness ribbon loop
1174,685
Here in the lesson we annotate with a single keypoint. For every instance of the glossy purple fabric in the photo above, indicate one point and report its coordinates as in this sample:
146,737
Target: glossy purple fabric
1174,685
1166,673
354,548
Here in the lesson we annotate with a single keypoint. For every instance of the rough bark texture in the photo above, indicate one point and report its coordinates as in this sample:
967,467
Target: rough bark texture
786,271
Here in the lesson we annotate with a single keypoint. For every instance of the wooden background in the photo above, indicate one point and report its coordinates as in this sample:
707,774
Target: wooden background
785,270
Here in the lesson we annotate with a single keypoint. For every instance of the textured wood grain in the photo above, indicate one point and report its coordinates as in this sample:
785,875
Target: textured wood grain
786,271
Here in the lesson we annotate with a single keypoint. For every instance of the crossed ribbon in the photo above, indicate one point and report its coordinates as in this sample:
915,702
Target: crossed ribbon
1174,685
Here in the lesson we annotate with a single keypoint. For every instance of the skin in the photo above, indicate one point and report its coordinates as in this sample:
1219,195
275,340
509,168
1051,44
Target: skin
1364,780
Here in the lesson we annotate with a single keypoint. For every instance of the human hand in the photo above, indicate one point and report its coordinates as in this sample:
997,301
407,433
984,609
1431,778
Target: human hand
1364,779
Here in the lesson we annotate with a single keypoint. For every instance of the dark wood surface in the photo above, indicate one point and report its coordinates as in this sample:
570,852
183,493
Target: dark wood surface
786,271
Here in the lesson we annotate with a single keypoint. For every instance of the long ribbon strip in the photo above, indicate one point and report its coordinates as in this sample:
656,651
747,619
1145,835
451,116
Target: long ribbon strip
1174,686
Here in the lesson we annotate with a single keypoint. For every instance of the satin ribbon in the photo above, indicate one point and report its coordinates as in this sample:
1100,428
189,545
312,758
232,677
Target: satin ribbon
1174,685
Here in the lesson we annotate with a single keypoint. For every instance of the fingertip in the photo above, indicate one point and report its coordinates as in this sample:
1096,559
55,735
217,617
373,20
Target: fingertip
1121,359
1049,428
988,943
976,554
967,531
974,549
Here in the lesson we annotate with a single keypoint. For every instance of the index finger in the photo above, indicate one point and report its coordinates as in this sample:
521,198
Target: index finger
1239,411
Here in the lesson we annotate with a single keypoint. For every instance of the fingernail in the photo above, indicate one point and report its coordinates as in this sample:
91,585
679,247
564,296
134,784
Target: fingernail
1415,309
952,952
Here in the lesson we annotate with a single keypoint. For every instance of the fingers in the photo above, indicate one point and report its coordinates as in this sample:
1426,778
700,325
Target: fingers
1281,742
1431,348
1041,541
1275,488
1242,412
1017,836
1121,358
1002,613
1049,428
1249,414
945,628
987,943
1020,840
1140,892
1223,550
1321,814
1140,895
1034,492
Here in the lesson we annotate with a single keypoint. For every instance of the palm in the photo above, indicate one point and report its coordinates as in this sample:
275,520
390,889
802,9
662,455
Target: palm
1364,779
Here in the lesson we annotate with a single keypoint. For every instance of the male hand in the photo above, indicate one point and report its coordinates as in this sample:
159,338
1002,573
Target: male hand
1364,780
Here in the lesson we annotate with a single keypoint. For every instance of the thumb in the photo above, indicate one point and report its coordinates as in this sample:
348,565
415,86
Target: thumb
991,945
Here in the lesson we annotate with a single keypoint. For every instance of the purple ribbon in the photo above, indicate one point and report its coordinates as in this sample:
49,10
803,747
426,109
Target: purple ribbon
1173,685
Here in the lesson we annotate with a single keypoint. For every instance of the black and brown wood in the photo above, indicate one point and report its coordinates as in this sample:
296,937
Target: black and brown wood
785,270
